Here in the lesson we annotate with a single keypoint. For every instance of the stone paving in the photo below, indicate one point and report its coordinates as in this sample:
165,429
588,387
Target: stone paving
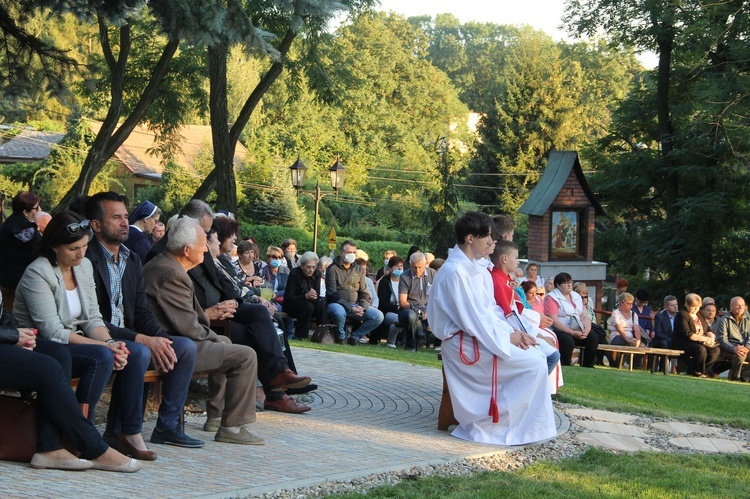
369,416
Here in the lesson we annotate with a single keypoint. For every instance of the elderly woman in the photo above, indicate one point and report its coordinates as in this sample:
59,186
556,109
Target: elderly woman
57,296
624,328
302,299
388,297
570,321
18,236
142,222
323,265
248,267
691,334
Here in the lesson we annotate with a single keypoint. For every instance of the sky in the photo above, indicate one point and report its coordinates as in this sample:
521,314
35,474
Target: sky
541,14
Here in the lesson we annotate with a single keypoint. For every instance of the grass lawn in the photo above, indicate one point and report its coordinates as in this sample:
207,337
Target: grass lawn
595,474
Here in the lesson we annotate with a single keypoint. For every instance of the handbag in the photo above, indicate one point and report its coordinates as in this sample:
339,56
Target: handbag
323,334
18,430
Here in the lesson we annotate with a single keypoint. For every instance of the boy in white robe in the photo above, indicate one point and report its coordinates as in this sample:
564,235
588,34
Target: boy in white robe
498,383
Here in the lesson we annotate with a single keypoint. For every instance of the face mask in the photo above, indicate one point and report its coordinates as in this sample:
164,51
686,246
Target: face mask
275,263
350,257
290,254
397,273
385,262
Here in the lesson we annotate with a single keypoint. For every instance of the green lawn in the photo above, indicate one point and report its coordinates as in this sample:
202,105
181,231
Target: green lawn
594,474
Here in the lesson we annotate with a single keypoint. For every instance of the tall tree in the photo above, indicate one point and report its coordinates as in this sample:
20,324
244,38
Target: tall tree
282,22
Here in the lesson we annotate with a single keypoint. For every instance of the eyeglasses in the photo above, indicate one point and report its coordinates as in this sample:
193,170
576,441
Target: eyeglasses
275,256
584,296
83,225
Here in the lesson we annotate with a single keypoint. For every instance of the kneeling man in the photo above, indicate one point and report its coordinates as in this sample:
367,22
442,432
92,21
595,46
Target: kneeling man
498,383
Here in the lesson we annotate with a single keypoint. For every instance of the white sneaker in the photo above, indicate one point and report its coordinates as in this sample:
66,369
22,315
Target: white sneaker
437,349
390,345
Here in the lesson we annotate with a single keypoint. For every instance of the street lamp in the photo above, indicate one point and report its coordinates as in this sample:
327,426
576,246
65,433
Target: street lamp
299,169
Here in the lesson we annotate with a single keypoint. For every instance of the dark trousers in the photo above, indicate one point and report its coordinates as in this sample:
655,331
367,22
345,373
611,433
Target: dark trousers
413,330
252,326
736,361
699,357
93,364
304,313
567,343
59,412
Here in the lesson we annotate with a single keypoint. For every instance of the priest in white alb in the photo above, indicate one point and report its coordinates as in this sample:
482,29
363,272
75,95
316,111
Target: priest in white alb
498,383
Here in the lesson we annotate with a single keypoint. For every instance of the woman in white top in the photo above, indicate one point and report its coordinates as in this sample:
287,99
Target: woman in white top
57,296
623,326
532,274
570,321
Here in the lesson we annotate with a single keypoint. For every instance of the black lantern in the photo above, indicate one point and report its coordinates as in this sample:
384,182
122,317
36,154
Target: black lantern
337,175
298,174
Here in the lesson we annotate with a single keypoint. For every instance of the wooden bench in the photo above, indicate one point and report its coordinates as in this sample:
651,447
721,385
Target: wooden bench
656,353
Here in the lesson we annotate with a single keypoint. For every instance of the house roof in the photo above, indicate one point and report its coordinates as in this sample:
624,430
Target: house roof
134,152
557,171
29,145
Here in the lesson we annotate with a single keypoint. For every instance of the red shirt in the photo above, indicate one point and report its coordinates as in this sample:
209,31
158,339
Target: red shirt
505,291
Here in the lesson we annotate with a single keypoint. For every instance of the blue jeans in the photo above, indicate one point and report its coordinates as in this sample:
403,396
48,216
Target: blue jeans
126,405
93,364
389,324
370,320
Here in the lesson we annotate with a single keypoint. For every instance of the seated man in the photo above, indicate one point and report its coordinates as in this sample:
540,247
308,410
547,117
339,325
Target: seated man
118,274
413,287
482,355
233,368
251,325
347,296
664,326
733,337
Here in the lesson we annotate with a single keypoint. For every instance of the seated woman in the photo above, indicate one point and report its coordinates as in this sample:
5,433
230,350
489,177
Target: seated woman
644,315
532,274
18,236
142,222
29,364
57,296
276,273
624,328
248,267
302,298
388,297
571,323
691,335
588,303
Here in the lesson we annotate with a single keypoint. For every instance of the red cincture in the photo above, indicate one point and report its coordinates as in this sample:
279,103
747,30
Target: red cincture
494,410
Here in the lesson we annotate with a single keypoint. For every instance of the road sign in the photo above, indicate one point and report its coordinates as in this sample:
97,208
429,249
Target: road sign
332,241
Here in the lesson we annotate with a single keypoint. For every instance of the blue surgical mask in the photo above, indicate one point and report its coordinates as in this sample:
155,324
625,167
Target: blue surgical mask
276,263
385,262
397,273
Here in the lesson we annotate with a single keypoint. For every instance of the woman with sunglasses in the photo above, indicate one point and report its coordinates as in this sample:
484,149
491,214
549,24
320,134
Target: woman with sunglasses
57,296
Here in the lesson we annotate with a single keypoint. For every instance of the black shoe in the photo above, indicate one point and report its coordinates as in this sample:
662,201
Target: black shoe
352,341
304,389
175,437
340,341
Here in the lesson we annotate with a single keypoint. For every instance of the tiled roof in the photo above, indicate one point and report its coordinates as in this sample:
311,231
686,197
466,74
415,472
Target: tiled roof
29,145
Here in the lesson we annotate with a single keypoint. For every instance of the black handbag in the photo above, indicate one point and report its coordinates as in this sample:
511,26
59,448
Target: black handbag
324,334
18,429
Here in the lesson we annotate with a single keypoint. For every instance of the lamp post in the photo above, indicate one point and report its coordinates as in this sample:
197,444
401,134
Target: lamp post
299,169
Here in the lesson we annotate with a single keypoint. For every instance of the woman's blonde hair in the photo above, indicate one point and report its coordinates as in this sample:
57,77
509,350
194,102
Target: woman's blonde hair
626,297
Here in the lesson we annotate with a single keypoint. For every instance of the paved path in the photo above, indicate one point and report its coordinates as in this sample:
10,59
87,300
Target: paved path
369,416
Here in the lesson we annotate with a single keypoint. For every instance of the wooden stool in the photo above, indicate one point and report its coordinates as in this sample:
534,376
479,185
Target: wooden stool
445,414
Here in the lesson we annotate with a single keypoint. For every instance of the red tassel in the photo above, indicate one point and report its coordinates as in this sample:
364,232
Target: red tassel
494,410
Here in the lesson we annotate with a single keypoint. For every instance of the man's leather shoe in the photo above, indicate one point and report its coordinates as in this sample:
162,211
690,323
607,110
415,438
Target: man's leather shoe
285,404
175,437
287,379
126,448
304,389
244,437
352,341
340,341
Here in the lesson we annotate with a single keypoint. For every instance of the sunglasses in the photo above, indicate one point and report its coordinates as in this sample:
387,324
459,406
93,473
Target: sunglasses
83,225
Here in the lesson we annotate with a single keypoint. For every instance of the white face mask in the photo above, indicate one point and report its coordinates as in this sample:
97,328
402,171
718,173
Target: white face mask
350,257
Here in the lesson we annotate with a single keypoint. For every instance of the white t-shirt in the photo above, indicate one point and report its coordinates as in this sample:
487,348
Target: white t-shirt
74,302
